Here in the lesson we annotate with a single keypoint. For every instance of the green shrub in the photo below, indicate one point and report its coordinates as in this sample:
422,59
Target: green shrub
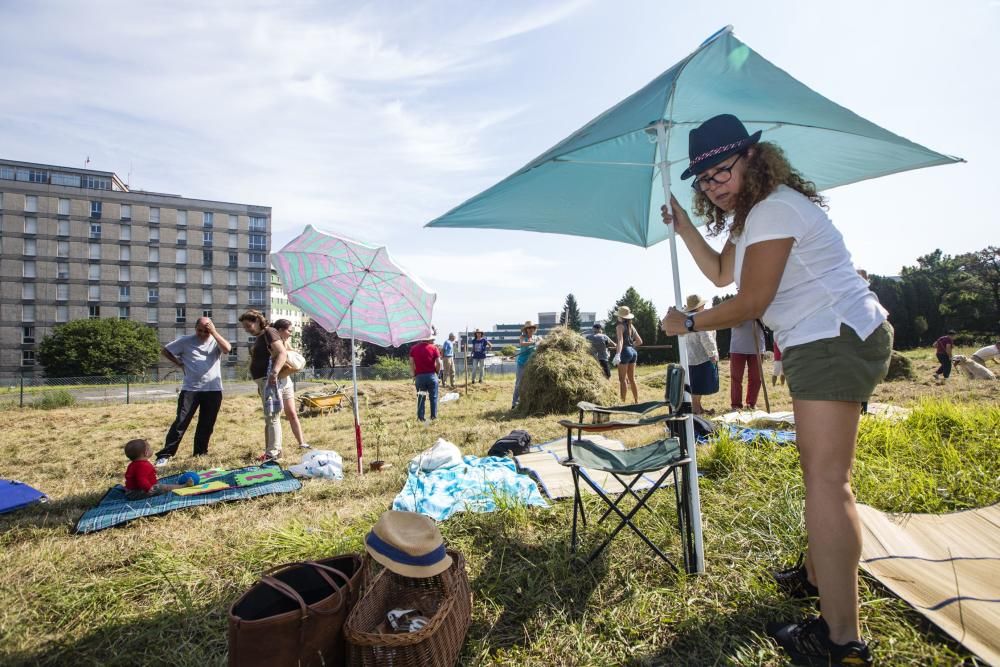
60,398
391,368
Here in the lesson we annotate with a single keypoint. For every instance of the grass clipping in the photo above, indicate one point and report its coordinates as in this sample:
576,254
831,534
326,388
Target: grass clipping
560,374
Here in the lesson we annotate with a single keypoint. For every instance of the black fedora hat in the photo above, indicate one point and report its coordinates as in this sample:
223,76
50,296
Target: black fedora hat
714,140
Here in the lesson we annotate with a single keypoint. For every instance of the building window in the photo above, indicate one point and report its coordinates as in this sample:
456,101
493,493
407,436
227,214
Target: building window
62,314
124,253
95,209
154,234
95,182
154,254
62,292
258,242
126,212
257,278
30,247
94,272
31,204
27,312
30,225
27,357
232,318
63,207
154,295
28,291
62,227
154,274
206,296
182,237
93,292
232,298
62,270
28,268
206,277
181,295
206,313
94,312
154,215
257,297
234,260
234,221
182,256
95,230
206,258
181,276
207,218
206,238
124,292
124,274
27,335
258,223
234,240
95,250
180,315
123,312
182,218
152,314
72,180
125,233
258,259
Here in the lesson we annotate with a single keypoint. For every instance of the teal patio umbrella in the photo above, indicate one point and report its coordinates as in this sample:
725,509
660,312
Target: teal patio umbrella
609,179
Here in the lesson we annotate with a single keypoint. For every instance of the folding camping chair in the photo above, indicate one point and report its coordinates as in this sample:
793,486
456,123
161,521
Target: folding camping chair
666,457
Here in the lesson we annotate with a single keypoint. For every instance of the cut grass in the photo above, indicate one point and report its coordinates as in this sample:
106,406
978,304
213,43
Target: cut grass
156,591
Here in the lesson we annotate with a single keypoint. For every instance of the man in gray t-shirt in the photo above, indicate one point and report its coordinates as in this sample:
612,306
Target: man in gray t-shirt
199,356
599,344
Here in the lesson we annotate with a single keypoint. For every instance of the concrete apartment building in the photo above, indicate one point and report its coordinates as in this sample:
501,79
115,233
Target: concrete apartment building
78,243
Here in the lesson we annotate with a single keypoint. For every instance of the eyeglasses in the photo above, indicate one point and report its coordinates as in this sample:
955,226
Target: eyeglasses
722,175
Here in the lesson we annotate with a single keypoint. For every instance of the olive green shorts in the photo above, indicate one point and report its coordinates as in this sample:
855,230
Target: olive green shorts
844,368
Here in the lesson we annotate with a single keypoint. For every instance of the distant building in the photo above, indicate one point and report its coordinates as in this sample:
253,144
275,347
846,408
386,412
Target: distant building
509,334
282,308
78,243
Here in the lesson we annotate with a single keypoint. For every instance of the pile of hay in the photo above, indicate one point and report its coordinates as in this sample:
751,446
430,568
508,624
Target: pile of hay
562,373
900,368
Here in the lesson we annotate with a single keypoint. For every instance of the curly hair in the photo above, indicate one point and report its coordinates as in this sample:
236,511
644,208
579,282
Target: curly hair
255,316
767,168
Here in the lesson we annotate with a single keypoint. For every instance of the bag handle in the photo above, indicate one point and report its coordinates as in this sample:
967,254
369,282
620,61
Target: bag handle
282,587
319,567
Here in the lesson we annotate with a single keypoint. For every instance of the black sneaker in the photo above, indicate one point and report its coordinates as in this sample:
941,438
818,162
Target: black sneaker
795,582
808,643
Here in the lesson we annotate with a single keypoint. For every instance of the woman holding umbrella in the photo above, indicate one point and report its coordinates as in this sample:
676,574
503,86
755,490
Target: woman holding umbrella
793,270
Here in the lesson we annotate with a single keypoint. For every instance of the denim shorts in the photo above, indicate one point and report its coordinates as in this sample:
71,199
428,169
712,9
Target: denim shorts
628,355
843,368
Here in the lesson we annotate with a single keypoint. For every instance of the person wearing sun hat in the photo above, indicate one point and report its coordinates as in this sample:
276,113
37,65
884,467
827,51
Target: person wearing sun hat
526,347
627,340
792,269
425,364
408,544
479,347
703,358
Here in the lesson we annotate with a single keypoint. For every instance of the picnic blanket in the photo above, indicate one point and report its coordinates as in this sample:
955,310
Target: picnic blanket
748,434
556,480
114,509
478,484
945,566
14,495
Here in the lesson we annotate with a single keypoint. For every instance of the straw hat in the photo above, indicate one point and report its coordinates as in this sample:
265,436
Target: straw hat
694,302
625,313
529,325
479,331
409,544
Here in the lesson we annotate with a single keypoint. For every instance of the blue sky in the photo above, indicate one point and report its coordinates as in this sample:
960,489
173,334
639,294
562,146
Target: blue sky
371,119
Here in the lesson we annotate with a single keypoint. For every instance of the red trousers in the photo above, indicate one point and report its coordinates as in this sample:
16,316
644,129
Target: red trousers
737,362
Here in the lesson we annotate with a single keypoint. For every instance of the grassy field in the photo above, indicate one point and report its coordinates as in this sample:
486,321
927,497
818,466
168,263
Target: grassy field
156,591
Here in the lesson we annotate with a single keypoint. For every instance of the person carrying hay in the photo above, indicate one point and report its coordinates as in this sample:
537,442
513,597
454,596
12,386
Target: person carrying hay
526,344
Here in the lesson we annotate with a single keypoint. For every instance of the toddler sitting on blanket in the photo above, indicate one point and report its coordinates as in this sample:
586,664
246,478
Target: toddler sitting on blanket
140,476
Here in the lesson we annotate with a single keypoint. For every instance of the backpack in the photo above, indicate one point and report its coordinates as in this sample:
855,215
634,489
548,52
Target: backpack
514,443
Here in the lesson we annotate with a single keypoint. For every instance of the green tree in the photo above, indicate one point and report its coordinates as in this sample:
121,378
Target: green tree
570,314
508,350
646,321
323,349
99,347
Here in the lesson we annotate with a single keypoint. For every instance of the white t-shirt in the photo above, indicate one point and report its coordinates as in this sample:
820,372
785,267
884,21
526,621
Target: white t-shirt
701,347
202,371
819,289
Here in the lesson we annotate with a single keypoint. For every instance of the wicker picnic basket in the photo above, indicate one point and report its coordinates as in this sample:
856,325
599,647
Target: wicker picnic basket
445,599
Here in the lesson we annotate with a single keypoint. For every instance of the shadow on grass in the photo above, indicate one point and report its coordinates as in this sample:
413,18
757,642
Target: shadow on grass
65,510
182,637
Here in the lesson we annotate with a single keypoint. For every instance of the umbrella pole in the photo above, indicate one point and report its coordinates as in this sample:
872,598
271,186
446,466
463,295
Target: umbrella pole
354,378
694,493
465,352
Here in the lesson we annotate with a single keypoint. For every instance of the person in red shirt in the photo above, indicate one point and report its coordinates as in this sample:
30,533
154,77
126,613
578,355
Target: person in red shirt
943,347
140,475
425,363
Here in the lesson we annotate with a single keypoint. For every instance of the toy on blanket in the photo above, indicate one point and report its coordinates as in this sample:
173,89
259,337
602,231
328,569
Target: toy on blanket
207,487
189,479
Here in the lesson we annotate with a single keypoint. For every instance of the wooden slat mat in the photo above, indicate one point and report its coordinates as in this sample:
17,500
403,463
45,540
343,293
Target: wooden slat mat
947,566
556,480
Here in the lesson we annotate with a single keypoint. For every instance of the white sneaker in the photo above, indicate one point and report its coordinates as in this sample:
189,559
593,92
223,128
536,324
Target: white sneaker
162,461
305,445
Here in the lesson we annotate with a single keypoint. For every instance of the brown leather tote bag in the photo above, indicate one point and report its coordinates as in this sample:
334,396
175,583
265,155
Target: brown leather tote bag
295,614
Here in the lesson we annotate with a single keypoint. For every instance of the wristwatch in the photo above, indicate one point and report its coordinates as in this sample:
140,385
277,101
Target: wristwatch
689,323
